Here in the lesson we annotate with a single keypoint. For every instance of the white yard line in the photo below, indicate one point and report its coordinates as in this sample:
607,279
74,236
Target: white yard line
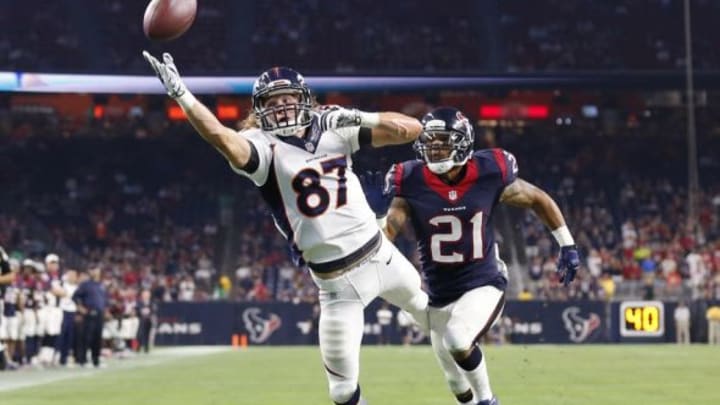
14,380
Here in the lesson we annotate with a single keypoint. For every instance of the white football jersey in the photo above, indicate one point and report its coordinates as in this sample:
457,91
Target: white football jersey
317,201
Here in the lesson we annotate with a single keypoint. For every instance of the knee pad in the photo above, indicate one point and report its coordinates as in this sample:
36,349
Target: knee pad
472,361
465,397
343,392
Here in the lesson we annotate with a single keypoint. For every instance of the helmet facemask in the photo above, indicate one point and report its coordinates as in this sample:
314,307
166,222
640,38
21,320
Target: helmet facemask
443,150
446,141
284,119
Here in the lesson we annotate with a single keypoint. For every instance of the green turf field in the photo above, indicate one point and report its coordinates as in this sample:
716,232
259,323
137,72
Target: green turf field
603,375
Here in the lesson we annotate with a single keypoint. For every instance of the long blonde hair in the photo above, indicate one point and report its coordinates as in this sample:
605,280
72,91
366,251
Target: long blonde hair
250,121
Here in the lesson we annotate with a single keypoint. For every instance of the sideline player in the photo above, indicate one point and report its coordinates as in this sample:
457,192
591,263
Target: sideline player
7,277
449,195
300,161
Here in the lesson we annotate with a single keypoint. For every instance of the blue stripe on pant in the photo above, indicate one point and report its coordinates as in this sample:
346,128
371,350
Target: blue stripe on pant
67,336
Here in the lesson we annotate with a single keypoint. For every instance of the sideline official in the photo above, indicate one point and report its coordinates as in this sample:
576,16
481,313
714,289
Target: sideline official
146,310
92,301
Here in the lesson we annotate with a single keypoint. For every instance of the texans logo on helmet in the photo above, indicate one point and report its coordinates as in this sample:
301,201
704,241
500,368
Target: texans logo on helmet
258,327
579,327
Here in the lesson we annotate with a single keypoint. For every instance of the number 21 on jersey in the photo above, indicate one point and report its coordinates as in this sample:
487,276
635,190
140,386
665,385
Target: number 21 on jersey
456,235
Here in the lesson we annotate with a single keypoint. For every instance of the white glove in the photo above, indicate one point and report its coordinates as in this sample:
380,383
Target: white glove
168,74
338,117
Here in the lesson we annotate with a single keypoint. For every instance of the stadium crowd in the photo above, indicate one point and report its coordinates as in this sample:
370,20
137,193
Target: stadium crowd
160,214
470,36
157,209
601,35
631,225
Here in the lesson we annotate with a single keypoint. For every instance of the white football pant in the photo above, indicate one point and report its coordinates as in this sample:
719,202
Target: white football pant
456,326
388,274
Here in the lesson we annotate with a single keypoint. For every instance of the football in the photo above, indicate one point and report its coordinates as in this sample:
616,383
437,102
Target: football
165,20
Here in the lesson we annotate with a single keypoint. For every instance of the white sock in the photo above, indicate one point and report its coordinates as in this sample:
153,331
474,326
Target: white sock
480,381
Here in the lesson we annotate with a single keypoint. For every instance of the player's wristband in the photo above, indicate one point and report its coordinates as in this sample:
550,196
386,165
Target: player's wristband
369,120
186,101
382,222
563,237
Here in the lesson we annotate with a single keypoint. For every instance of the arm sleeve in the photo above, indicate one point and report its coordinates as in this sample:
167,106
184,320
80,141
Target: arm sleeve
258,166
253,162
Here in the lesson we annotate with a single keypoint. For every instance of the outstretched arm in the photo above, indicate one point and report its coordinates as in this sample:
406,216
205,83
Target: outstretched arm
395,129
387,128
236,149
522,194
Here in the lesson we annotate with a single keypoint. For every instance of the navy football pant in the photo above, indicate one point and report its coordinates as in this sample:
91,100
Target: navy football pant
93,327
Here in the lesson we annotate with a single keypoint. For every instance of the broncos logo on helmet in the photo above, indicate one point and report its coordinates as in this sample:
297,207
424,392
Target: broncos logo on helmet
258,327
446,141
283,119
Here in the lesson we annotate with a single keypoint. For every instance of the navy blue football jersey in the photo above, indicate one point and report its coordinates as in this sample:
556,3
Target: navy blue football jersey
454,223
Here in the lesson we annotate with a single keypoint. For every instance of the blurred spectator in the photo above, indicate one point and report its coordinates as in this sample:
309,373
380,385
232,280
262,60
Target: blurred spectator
525,295
259,292
146,312
186,289
608,286
682,323
384,319
713,318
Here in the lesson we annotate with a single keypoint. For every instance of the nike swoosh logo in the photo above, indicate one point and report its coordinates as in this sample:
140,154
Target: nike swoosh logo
390,259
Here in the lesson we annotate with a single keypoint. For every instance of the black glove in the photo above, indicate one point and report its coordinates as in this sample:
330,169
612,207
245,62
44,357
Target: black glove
568,264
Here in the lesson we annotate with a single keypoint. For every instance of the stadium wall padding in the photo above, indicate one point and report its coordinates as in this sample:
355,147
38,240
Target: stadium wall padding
573,322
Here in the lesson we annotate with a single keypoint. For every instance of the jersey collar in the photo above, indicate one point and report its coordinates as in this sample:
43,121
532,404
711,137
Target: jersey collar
309,141
452,192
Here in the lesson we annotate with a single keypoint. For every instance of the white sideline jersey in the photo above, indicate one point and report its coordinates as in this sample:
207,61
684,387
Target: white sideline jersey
316,200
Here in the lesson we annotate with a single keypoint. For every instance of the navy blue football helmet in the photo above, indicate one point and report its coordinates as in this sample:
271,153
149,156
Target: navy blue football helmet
279,119
446,141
